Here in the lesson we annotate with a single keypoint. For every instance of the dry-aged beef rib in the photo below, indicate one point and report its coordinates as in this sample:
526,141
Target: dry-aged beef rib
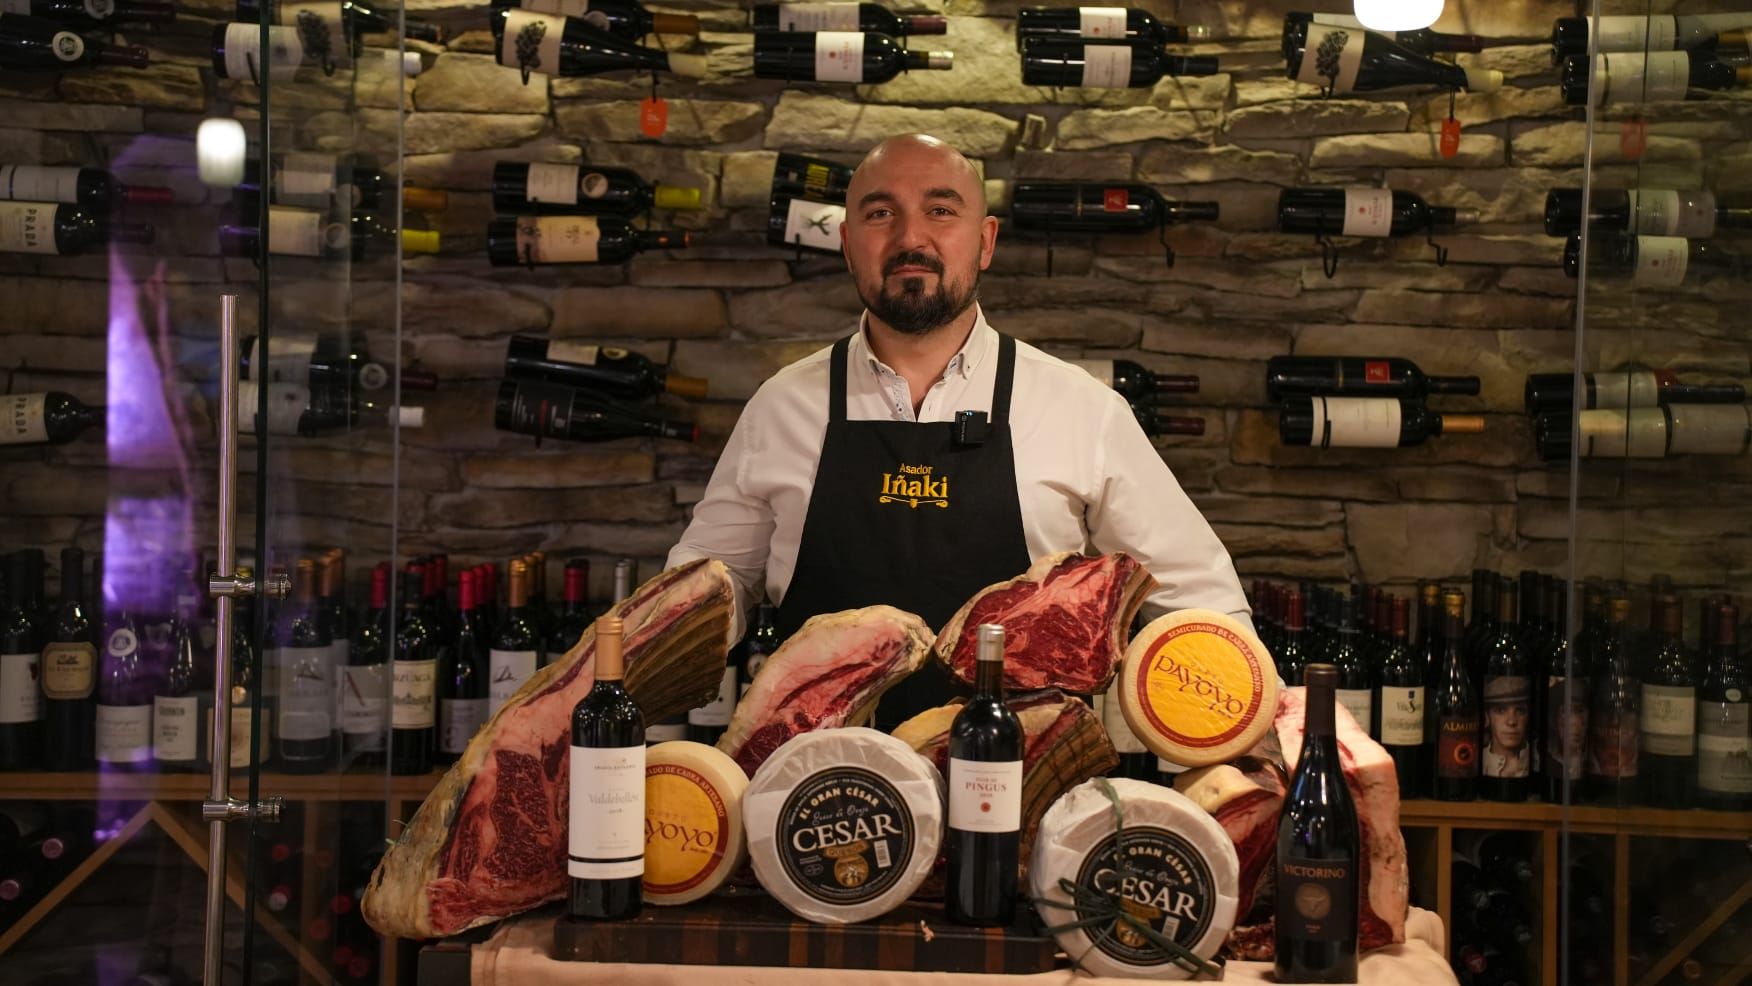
1246,798
830,673
1064,620
490,840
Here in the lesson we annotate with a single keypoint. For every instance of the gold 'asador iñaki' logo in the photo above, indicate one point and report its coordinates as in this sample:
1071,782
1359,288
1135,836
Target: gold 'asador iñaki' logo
915,486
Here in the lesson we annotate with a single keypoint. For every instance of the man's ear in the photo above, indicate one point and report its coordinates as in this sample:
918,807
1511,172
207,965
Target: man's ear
988,241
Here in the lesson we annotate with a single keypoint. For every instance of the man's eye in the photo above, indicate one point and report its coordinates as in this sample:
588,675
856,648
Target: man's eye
877,214
942,210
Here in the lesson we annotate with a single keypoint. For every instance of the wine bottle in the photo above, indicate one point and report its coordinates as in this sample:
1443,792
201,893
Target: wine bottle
1653,262
539,612
1646,432
365,680
869,18
414,682
606,849
124,698
69,673
39,44
1136,382
1724,721
1104,24
1366,422
21,651
626,19
305,727
1668,757
294,409
84,15
309,233
328,362
338,184
1613,713
1625,388
706,723
801,177
985,796
1358,376
237,53
530,240
64,230
1693,214
855,57
1565,730
1481,627
530,41
763,639
1292,658
1423,41
607,369
465,677
1506,760
1456,712
1622,33
1159,425
575,189
554,411
574,615
1372,212
332,29
1343,59
1355,688
516,651
1318,853
178,706
805,224
1624,78
1400,697
90,188
1135,760
1090,207
1053,61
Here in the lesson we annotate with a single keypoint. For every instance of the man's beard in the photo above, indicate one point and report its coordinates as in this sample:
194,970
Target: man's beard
913,310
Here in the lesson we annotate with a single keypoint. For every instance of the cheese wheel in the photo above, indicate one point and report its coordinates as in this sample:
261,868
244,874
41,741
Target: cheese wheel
1174,868
1197,687
693,821
843,824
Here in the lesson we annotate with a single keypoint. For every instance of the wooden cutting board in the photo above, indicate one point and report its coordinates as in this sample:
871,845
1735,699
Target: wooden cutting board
742,928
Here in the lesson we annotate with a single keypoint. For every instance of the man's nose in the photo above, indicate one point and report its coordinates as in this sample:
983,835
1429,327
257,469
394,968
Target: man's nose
910,231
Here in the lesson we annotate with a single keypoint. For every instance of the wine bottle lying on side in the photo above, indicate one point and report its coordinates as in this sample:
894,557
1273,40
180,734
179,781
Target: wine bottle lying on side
530,41
1346,59
1054,61
548,410
1366,422
853,57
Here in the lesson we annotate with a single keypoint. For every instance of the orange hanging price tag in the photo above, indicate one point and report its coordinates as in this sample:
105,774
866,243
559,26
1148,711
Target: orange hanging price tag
1450,145
653,116
1633,137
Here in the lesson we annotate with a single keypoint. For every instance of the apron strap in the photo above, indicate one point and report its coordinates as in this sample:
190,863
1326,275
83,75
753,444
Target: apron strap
836,381
1006,376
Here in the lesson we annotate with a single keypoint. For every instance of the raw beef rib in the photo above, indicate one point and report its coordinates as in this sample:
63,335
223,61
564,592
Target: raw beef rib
830,673
490,840
1246,798
1064,620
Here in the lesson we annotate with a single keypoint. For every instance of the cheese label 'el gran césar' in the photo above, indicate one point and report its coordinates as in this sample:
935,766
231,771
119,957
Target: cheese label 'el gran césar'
1162,879
843,832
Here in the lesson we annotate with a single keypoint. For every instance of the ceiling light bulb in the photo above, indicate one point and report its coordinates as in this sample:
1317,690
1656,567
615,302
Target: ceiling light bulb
1398,15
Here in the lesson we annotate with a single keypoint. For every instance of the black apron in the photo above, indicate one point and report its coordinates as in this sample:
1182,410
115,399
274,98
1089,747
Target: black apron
904,514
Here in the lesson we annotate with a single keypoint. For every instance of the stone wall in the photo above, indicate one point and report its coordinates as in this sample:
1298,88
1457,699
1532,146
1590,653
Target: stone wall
735,310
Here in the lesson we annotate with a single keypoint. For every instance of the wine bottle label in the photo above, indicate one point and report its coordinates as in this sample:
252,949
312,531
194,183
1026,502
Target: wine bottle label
1566,732
1360,703
1612,744
606,839
1710,429
1635,77
558,239
1661,212
458,720
1620,389
1113,718
985,796
717,712
1724,747
1457,747
286,403
1621,33
69,671
307,700
124,733
27,227
414,688
243,54
23,422
320,30
556,184
1638,432
307,179
1368,212
1332,56
31,183
839,56
559,8
302,233
814,224
818,17
1107,66
1355,422
1317,898
288,362
508,670
1661,261
1669,720
21,700
364,698
242,719
531,41
1402,715
1101,22
582,353
1508,727
175,738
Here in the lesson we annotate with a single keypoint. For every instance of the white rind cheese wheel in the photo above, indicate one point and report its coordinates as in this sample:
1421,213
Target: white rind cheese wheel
843,824
693,821
1198,688
1183,875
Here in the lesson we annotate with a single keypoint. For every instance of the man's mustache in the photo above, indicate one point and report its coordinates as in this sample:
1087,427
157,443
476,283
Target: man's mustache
912,259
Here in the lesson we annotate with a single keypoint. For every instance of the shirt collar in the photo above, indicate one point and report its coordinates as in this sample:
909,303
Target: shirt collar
979,345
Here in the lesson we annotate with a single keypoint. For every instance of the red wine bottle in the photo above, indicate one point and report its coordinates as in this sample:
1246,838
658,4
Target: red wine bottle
1094,207
606,852
69,673
52,228
178,706
1627,388
1724,711
1053,61
464,678
854,57
1401,703
1693,214
1622,78
516,650
554,411
985,796
1319,853
306,725
1424,41
87,14
91,188
309,233
52,418
1366,422
124,698
330,361
413,701
796,176
37,44
1456,711
1355,684
869,18
1343,59
573,617
1370,212
1613,738
1104,24
1356,376
570,46
1134,381
1292,655
1659,263
805,224
1157,424
530,240
1564,677
577,189
1668,723
1632,33
364,708
607,369
1506,759
330,29
21,700
626,19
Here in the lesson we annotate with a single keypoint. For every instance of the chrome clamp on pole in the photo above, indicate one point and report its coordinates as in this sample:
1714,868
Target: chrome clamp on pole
226,587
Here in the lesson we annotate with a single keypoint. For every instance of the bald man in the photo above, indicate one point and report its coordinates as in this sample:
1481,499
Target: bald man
927,455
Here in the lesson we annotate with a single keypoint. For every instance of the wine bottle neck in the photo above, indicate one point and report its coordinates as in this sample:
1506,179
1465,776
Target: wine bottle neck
661,239
1453,385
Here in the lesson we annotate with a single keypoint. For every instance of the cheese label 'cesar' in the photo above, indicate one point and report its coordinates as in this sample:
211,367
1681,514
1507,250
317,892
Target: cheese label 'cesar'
1198,687
844,831
693,823
1163,880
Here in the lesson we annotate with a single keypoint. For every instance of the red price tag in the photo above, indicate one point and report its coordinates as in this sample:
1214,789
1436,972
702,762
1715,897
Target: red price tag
1633,137
1450,145
1377,371
653,116
1115,200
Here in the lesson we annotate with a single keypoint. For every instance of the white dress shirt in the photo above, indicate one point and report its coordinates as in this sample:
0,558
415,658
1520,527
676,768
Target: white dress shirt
1089,480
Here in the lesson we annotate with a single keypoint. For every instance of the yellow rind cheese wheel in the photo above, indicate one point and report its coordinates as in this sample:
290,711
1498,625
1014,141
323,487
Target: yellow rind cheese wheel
693,821
1198,688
